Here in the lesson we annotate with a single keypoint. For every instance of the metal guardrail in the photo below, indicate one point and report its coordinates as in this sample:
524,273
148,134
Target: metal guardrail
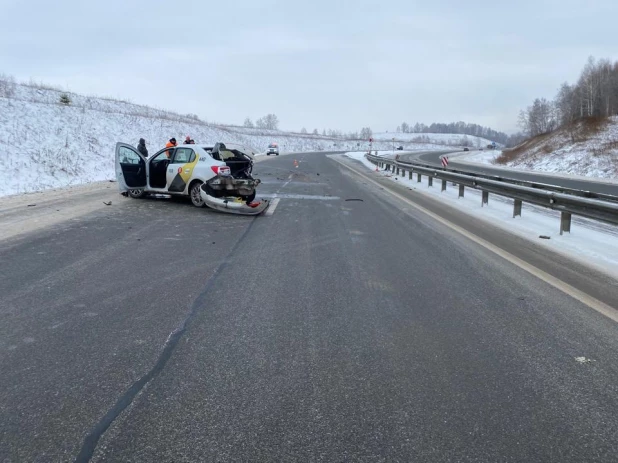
538,185
567,201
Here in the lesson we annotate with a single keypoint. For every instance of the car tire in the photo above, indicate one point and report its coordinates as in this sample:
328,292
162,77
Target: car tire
267,154
194,194
137,194
277,154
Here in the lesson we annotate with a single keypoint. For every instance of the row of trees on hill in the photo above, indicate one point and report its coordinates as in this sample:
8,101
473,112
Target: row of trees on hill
270,122
595,94
462,128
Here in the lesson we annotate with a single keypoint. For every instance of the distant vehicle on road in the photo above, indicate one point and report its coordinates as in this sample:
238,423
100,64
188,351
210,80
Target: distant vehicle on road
400,148
273,148
466,149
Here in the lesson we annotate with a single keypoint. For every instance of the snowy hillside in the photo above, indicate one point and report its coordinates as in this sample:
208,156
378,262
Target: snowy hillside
448,139
588,148
45,144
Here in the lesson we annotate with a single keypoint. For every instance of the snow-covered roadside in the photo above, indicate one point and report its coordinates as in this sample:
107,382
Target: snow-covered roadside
46,145
577,151
479,157
591,242
488,157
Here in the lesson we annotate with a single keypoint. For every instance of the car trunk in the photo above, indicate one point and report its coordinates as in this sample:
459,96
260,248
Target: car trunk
239,163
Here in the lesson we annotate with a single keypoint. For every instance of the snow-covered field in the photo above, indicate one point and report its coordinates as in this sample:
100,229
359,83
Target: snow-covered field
591,242
571,152
44,144
446,139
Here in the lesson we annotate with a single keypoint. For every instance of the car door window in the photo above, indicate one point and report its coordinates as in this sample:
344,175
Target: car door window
182,156
128,156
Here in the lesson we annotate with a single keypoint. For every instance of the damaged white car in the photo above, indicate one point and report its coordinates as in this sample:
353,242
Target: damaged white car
218,176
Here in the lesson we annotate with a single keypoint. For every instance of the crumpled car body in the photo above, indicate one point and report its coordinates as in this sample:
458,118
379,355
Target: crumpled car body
209,175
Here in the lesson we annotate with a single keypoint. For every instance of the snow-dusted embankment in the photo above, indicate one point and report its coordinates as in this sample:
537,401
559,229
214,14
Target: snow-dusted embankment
45,144
577,150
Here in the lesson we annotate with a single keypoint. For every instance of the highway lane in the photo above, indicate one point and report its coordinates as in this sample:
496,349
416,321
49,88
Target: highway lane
334,329
433,158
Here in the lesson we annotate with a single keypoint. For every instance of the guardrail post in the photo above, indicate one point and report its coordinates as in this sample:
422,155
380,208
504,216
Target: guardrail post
410,174
443,185
397,170
403,173
461,190
517,208
418,177
565,222
485,198
430,181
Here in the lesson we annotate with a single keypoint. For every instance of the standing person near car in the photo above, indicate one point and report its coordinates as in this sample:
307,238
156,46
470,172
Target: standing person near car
141,147
187,140
170,144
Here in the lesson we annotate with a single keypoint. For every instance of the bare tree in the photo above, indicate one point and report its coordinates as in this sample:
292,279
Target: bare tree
539,118
405,128
261,123
272,122
248,123
315,131
303,130
366,133
7,86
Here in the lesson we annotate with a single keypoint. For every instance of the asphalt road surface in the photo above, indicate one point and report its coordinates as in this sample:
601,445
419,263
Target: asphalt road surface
346,325
433,158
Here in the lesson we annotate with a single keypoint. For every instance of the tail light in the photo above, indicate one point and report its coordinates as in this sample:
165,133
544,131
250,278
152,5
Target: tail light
221,170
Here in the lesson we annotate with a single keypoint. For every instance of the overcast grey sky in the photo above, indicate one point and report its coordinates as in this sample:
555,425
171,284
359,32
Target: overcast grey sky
316,64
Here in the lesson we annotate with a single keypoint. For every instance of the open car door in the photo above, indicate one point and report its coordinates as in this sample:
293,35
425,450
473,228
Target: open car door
131,168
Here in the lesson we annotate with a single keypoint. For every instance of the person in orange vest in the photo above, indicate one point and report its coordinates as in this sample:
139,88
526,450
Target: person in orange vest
170,144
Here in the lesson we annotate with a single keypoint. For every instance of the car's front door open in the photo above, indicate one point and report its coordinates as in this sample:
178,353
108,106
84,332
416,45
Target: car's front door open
131,169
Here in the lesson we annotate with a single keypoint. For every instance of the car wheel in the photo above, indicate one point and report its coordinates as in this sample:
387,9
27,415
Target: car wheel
137,194
277,154
267,154
194,193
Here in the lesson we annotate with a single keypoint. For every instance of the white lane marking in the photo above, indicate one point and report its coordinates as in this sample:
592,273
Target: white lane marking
295,196
575,293
286,183
272,207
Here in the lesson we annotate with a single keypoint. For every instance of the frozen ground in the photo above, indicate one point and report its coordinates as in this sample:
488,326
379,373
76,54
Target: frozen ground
575,151
44,144
592,242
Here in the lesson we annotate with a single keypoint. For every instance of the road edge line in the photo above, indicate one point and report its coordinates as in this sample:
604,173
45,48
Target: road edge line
566,288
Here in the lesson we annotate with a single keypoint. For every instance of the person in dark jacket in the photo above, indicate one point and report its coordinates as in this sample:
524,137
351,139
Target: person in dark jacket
141,147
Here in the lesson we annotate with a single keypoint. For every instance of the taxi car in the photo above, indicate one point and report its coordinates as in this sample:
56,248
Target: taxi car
218,176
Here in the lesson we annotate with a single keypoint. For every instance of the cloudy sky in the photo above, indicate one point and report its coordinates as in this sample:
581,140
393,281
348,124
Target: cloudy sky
317,64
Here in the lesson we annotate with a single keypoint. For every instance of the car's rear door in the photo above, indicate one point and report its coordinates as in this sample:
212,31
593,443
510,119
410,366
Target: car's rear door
180,169
131,168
